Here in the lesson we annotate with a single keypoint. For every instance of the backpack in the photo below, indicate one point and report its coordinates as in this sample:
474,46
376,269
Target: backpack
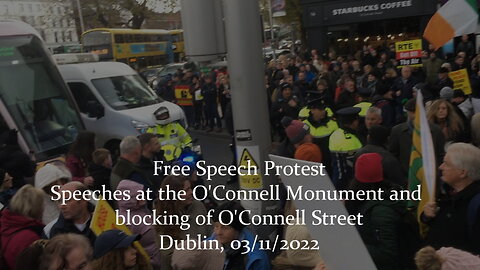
409,240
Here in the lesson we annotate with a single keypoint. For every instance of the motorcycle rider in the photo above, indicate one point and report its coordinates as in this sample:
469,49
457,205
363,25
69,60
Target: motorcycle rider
173,138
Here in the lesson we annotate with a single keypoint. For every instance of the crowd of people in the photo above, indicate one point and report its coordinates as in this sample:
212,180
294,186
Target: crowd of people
354,113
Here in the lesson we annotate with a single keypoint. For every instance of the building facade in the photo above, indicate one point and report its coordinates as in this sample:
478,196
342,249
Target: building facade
348,24
53,19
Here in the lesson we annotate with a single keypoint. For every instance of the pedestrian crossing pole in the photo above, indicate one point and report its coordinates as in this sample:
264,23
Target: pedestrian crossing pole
243,34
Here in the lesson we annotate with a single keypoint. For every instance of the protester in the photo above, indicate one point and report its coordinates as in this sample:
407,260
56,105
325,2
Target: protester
114,250
299,135
20,223
381,217
257,259
47,178
139,208
377,143
446,258
186,206
101,169
6,188
151,152
75,215
400,144
449,219
126,166
67,251
443,114
13,160
80,157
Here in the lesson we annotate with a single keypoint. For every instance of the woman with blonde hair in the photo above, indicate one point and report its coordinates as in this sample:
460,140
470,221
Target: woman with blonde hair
442,113
66,251
21,223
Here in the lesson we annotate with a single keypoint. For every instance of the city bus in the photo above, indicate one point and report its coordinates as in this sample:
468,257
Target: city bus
138,48
34,99
178,44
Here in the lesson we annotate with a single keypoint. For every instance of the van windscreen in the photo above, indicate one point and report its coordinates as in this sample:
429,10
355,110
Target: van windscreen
126,92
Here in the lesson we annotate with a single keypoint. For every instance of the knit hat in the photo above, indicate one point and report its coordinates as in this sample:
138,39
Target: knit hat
368,168
49,174
308,152
446,93
295,130
456,259
198,259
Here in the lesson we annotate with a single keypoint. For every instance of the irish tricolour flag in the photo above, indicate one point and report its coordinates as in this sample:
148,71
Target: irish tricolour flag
455,18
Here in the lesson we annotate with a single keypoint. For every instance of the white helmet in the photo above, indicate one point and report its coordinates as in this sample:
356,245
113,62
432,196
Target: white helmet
162,116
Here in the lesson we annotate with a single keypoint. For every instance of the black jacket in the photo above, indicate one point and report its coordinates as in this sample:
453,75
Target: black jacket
14,160
67,226
400,144
101,176
449,228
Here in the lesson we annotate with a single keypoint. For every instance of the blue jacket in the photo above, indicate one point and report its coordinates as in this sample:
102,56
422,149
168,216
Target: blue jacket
257,259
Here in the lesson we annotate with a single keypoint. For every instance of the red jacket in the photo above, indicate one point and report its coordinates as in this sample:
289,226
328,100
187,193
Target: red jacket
76,167
17,233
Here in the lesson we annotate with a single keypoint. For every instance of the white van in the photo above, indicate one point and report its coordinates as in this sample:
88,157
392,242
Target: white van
113,100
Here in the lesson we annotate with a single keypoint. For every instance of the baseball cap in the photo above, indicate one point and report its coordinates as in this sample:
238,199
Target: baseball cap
112,239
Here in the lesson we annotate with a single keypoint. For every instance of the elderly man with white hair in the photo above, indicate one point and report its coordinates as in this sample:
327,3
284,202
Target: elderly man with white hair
126,166
454,219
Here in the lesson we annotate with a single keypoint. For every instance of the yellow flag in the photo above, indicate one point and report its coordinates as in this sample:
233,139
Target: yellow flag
104,219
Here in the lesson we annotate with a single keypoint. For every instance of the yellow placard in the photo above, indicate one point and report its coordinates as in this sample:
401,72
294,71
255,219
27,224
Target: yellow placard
461,81
245,158
183,93
250,181
409,45
104,219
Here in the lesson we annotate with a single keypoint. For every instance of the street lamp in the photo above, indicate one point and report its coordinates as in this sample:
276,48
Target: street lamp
82,26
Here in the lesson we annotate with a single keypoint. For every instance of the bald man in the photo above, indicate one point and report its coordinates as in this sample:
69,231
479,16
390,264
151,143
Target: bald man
75,215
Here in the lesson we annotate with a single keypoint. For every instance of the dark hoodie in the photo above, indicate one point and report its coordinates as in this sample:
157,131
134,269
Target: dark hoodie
17,232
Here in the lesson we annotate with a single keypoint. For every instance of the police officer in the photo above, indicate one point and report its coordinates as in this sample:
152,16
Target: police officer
364,105
172,136
321,127
313,95
343,145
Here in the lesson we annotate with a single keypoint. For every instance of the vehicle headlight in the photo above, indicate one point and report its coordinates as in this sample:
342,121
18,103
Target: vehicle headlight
141,127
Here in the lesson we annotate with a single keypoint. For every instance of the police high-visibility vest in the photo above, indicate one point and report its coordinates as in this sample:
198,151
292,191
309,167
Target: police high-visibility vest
364,106
172,138
344,142
322,131
305,112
